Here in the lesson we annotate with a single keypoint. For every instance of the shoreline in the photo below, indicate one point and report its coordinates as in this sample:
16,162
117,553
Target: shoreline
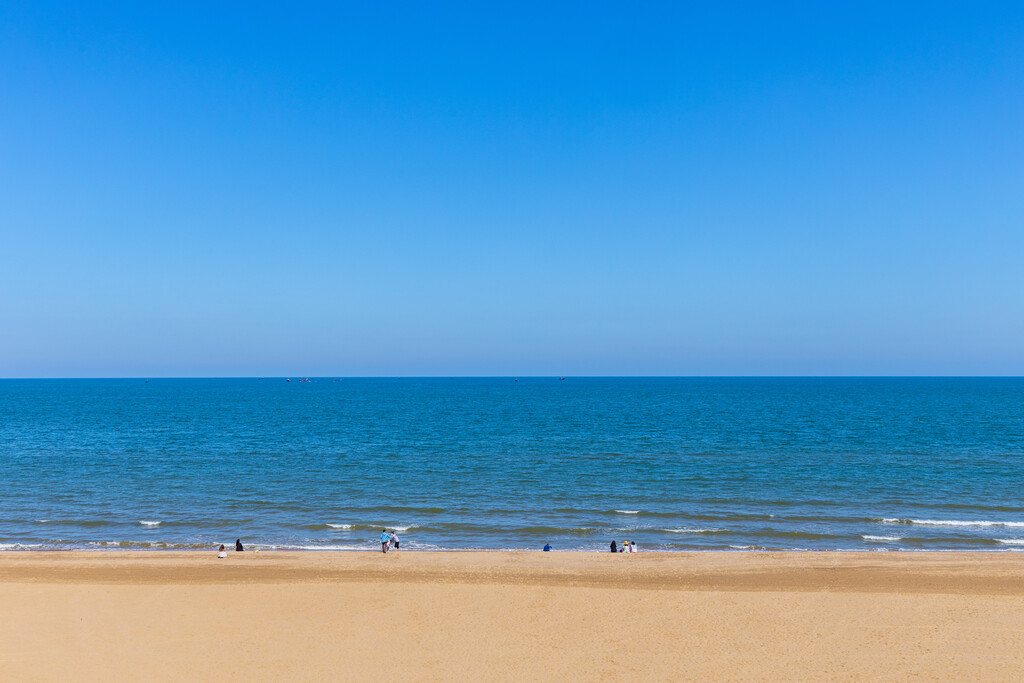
654,551
915,572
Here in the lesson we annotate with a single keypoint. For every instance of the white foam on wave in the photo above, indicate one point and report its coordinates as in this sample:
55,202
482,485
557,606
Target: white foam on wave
144,522
339,526
686,530
364,546
951,522
628,512
1011,541
881,539
19,546
402,528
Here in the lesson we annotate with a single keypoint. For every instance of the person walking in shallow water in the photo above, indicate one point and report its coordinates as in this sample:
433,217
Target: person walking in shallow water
394,540
385,539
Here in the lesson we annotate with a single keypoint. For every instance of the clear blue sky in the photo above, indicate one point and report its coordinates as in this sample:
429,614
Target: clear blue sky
528,189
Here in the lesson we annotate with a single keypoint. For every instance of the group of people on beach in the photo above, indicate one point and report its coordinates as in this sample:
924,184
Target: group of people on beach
387,540
626,547
222,553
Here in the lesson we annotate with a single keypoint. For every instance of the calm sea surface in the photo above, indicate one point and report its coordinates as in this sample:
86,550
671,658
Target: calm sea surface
672,464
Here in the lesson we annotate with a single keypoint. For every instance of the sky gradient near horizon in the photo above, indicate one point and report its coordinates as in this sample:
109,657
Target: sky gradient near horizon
525,189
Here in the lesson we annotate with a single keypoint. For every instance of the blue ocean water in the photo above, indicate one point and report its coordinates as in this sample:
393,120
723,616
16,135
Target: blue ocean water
670,463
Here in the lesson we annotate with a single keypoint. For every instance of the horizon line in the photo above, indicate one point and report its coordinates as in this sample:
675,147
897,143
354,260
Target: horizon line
514,377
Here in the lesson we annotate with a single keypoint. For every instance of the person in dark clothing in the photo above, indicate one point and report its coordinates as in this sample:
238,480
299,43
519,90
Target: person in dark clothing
238,545
614,547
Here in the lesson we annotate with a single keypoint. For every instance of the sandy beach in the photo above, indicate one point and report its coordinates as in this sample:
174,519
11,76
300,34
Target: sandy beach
511,616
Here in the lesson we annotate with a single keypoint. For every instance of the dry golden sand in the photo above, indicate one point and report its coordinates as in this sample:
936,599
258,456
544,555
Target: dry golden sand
276,616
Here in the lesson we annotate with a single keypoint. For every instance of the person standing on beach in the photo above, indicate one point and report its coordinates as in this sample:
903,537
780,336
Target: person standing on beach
394,540
385,538
238,545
